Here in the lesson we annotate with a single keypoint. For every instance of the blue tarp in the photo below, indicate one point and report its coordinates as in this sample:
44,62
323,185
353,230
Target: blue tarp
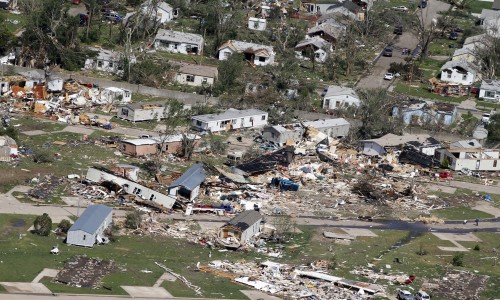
284,184
488,198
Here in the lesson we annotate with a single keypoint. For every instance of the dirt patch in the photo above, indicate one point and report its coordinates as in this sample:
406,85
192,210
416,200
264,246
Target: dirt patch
459,285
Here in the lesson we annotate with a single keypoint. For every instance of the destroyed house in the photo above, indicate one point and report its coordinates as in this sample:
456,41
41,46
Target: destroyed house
142,111
8,148
410,155
132,188
230,119
389,141
188,185
161,11
90,226
243,226
281,135
335,128
179,42
259,55
266,162
326,31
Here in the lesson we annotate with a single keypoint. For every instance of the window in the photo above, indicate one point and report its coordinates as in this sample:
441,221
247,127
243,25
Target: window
175,46
124,111
127,93
263,118
262,59
494,163
256,25
489,94
464,77
84,237
448,74
198,123
99,63
224,123
190,78
227,54
205,80
110,64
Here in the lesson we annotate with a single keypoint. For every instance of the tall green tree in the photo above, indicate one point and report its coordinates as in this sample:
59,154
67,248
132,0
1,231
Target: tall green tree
43,224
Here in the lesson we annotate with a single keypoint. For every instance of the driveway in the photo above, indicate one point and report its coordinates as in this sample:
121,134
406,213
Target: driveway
407,40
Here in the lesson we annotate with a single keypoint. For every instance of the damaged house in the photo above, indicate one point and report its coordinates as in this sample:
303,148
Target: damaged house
101,175
90,226
106,61
230,119
490,90
115,95
143,147
195,75
8,148
257,24
339,96
469,155
241,229
313,47
178,42
259,55
327,32
459,72
188,185
160,11
142,111
391,141
416,111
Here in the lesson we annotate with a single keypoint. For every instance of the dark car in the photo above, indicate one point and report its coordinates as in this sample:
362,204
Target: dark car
387,52
398,30
423,4
453,35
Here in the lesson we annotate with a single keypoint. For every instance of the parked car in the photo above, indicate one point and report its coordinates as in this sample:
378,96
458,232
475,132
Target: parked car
398,30
421,295
388,76
453,35
422,4
112,16
405,295
486,118
445,175
269,147
387,52
400,8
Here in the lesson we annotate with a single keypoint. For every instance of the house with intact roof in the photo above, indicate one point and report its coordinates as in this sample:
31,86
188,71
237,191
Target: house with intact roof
339,96
188,185
161,11
195,75
90,226
243,227
178,42
259,55
230,119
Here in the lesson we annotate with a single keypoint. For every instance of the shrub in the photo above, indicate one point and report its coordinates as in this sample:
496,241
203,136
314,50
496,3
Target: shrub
458,260
477,248
64,225
43,224
133,220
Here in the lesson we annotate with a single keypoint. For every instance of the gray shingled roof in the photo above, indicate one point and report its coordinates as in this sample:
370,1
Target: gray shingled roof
192,178
179,37
245,219
92,218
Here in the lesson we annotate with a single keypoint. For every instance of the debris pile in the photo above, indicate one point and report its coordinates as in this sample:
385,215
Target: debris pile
84,272
290,282
46,185
456,284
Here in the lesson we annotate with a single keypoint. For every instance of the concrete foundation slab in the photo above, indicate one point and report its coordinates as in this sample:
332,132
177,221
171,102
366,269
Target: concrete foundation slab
25,288
258,295
146,292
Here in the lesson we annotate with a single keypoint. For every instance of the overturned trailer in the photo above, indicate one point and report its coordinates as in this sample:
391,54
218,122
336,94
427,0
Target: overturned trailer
100,175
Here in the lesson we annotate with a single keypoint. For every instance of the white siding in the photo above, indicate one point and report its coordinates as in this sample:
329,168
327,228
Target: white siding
257,24
456,77
237,123
137,115
175,47
489,95
196,80
225,53
250,232
334,102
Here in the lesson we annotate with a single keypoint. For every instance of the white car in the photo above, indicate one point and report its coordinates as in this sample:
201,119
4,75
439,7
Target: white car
486,118
421,295
388,76
400,8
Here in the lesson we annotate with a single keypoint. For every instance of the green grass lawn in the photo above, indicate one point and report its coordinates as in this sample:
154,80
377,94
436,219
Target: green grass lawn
485,105
24,259
460,213
30,123
477,6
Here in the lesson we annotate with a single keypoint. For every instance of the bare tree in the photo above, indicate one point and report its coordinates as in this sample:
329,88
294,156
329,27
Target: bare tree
487,53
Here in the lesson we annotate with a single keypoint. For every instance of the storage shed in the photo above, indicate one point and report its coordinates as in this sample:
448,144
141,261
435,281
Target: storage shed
188,185
89,227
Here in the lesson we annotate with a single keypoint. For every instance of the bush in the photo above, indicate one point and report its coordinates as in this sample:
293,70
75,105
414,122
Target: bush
43,224
477,248
217,145
43,156
421,251
64,225
458,260
133,219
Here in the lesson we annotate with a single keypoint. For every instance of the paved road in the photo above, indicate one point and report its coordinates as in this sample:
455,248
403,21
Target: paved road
406,40
78,297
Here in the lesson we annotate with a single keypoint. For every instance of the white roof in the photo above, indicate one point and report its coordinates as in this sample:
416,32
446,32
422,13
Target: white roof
178,36
327,123
230,114
115,89
491,85
466,144
139,142
156,140
335,90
